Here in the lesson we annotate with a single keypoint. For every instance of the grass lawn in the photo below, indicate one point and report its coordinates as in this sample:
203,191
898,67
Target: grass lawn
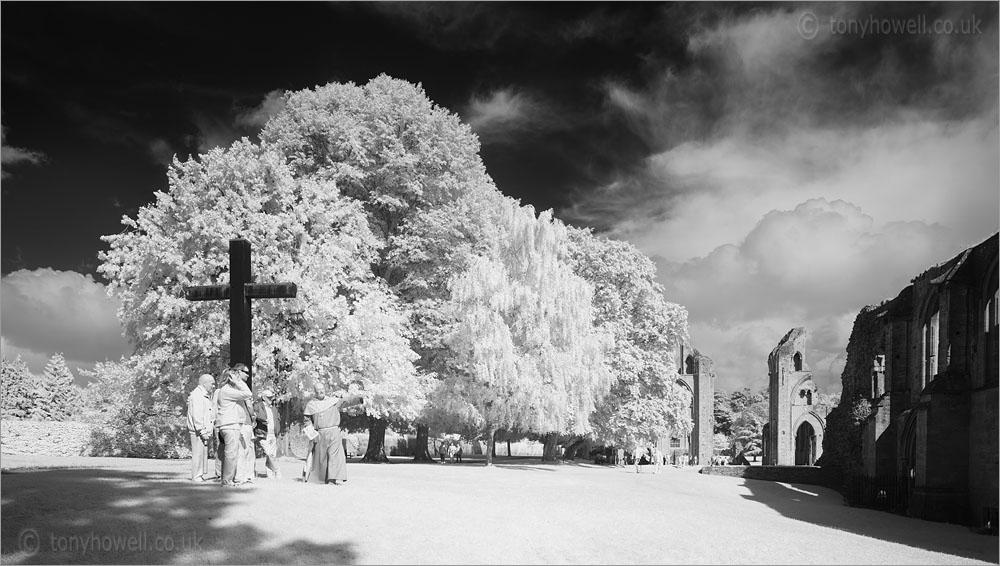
520,511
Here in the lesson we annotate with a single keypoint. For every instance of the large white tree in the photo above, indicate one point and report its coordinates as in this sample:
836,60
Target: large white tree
530,356
303,230
645,402
388,147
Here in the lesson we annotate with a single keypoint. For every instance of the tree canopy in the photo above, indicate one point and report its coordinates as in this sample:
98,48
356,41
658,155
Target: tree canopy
645,401
530,355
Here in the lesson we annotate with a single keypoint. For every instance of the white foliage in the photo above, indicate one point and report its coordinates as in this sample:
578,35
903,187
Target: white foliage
303,231
530,354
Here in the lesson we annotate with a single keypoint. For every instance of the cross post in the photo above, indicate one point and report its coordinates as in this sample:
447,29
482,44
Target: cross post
239,292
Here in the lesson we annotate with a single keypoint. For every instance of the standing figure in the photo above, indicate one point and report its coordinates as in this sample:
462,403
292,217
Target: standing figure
328,461
231,413
201,425
246,466
266,431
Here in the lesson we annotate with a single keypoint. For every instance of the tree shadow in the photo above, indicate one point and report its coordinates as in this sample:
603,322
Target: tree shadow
533,468
85,516
824,506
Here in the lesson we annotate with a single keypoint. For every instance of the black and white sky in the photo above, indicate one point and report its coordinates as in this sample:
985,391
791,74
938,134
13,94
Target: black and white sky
784,164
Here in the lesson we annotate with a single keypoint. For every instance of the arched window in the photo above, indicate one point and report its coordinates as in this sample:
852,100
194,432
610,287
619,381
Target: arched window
798,361
990,334
689,365
930,347
809,397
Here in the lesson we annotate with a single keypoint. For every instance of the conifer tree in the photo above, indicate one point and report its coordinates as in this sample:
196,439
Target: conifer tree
62,398
17,386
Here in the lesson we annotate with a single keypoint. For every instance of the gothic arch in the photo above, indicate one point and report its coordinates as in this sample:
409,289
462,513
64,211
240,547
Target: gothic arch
812,418
808,439
797,360
930,338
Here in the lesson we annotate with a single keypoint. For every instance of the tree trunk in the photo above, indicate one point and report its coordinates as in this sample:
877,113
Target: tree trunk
423,437
549,451
570,452
491,446
508,448
376,441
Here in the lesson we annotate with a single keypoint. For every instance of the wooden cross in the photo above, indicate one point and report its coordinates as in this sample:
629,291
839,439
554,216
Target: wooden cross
239,292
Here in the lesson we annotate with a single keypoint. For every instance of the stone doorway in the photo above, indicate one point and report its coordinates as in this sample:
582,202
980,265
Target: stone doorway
805,445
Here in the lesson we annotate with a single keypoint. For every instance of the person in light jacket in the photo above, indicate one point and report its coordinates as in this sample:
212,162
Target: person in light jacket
231,416
201,425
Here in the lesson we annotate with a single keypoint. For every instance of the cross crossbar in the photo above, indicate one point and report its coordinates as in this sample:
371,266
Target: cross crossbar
239,293
251,291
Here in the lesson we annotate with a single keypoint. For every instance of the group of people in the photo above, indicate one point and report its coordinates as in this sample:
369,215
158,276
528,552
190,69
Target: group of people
225,413
650,455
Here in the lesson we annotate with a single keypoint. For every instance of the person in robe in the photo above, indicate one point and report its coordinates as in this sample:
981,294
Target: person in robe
329,464
266,431
201,425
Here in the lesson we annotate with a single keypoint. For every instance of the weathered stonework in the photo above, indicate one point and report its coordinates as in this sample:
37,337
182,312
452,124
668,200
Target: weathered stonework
794,432
696,373
926,361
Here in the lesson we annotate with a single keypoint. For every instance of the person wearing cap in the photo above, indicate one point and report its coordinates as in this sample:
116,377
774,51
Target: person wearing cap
266,430
201,420
231,414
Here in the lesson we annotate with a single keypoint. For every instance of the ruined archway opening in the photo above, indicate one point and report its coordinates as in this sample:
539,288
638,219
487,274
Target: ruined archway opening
805,445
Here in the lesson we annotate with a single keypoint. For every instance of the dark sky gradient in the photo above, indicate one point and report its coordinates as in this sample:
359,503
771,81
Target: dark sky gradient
777,180
92,86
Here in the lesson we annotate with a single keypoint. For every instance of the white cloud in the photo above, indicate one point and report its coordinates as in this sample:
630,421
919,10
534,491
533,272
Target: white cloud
10,155
214,132
813,266
934,172
503,113
161,151
791,182
46,311
255,118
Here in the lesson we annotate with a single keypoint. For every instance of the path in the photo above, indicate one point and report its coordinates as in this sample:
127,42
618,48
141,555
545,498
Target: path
463,513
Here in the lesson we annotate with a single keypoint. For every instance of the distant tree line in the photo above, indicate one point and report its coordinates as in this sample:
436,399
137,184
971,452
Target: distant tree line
52,396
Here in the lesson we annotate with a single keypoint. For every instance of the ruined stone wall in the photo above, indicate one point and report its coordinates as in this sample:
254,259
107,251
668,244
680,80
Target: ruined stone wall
789,380
937,419
843,443
45,438
704,405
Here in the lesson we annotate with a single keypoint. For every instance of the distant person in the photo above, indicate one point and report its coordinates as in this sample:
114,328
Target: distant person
266,431
329,465
201,425
231,413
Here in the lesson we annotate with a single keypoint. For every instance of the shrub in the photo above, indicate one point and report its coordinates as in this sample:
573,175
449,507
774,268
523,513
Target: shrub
132,433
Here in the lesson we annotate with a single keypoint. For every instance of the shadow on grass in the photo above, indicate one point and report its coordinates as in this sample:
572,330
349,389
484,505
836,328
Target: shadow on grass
796,502
85,516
